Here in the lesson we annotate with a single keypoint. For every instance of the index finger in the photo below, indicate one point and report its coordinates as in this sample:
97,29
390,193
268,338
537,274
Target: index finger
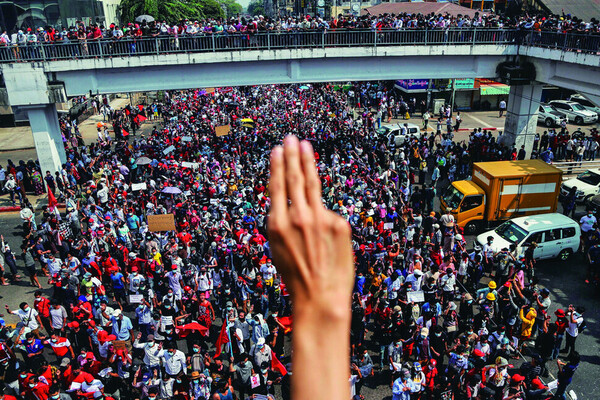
277,183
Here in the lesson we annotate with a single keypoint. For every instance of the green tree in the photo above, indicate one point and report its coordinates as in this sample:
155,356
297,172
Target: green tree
256,7
233,7
170,10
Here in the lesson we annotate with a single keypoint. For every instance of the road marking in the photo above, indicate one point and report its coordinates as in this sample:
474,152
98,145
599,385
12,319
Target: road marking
483,123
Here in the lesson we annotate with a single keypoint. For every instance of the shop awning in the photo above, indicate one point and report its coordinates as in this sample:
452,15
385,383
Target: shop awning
491,90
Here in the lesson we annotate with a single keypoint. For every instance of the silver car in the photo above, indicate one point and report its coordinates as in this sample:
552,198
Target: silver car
549,116
575,112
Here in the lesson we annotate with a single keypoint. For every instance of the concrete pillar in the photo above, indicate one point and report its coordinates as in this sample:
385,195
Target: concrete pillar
47,137
521,116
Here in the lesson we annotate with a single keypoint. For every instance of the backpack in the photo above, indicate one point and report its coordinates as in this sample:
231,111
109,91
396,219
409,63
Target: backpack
582,326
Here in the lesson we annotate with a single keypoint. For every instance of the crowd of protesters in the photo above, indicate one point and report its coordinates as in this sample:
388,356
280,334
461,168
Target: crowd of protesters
186,35
200,311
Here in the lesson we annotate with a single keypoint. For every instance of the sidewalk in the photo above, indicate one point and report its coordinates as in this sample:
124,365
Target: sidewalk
21,138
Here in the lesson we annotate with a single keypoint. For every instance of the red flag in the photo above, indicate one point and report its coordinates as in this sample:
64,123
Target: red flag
277,366
186,329
141,107
124,132
139,119
305,106
286,322
51,200
127,112
222,339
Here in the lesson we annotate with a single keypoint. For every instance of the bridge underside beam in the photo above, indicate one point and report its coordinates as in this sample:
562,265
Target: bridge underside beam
168,77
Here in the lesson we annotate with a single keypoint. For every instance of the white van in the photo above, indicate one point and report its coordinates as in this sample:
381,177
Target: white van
556,235
393,131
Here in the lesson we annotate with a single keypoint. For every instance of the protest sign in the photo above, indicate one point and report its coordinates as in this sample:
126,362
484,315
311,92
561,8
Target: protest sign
160,223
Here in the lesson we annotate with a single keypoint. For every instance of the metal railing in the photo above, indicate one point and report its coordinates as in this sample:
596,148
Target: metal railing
571,168
126,47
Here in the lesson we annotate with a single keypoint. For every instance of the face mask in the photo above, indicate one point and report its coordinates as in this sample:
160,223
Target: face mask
170,295
55,397
23,376
32,385
26,309
178,380
169,331
196,349
54,340
470,332
423,336
196,380
438,334
398,343
274,315
30,341
264,371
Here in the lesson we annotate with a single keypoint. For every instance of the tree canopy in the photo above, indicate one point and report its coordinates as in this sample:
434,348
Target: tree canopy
175,10
256,7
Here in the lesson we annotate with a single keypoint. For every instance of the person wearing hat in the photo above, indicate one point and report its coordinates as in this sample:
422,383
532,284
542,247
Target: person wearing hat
199,386
122,328
404,386
516,388
561,324
527,316
491,288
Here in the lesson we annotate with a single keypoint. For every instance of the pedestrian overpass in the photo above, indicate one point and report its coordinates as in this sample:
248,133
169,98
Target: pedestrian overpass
37,76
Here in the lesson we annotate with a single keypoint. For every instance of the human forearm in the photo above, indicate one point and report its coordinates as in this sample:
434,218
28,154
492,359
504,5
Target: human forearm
327,344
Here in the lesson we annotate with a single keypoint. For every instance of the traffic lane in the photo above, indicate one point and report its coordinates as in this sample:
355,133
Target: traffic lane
566,283
21,290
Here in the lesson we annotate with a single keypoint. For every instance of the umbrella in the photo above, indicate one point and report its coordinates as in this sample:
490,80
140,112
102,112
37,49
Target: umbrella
143,161
250,120
171,190
304,87
100,124
142,18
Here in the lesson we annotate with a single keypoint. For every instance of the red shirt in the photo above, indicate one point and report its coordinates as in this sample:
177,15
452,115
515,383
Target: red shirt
42,306
61,347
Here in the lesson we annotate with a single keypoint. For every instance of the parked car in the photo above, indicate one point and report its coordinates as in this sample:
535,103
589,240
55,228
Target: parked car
556,235
588,105
394,131
550,116
587,184
575,112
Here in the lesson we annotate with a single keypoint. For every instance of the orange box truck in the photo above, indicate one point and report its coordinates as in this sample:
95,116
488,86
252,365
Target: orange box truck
499,190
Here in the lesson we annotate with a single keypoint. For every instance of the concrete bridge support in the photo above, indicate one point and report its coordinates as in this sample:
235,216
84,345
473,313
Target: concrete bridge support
28,87
521,116
47,137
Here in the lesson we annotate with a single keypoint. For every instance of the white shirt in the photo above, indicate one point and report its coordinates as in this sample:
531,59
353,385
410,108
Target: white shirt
268,271
587,223
175,363
152,352
573,328
28,318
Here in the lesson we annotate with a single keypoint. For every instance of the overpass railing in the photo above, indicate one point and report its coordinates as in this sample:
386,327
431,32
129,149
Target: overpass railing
125,47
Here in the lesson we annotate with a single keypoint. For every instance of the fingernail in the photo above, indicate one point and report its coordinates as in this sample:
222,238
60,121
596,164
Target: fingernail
277,152
290,140
306,147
